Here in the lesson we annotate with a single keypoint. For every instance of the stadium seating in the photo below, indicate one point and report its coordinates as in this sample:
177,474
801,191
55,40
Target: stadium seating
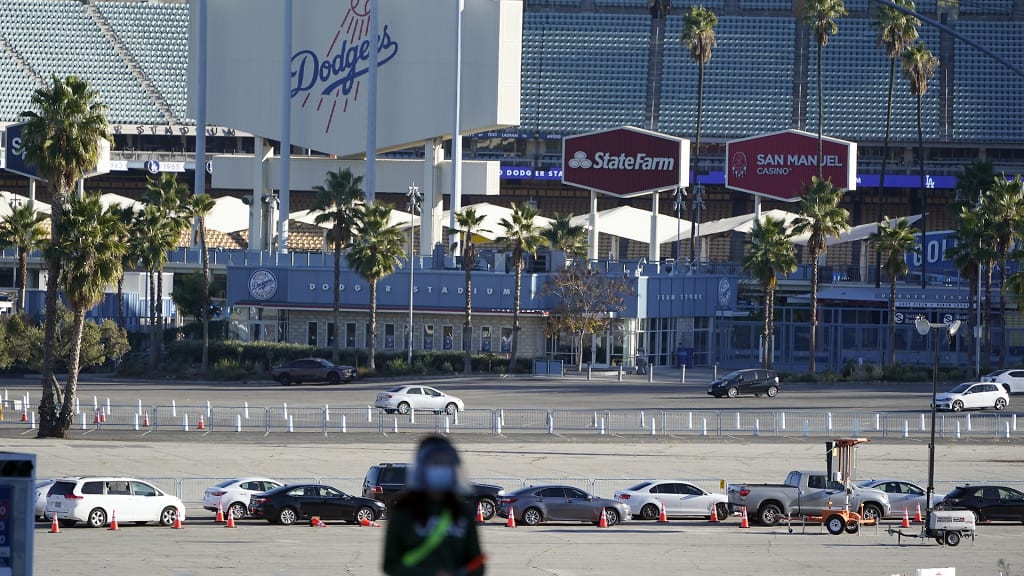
15,90
987,96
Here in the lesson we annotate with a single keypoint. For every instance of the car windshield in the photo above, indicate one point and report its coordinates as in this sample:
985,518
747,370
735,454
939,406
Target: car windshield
396,389
226,483
639,486
961,388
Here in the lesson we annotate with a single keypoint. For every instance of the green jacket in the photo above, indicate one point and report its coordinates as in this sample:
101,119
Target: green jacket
443,544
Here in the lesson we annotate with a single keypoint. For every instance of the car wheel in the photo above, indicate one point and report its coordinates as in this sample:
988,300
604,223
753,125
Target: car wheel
238,511
284,379
487,507
650,512
977,516
952,538
835,524
852,527
404,408
451,409
97,518
732,392
872,512
167,515
532,517
287,516
722,510
333,378
1000,403
957,406
773,391
611,516
364,513
770,514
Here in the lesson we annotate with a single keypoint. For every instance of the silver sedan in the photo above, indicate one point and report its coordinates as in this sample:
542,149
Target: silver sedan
902,495
405,399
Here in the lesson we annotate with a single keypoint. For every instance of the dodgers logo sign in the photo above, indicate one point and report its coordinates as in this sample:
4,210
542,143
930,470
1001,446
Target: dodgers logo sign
335,77
262,284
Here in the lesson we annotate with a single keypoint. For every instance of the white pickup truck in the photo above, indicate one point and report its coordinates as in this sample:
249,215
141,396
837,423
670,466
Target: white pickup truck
805,493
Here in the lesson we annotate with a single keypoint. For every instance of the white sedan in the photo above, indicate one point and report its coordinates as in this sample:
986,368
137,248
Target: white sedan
680,499
903,495
1014,379
405,399
232,496
42,487
973,395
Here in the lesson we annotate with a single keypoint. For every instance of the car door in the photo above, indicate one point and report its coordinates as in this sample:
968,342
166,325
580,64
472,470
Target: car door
336,505
1012,504
757,382
898,498
665,494
580,505
414,396
554,502
311,502
118,500
818,494
692,500
432,399
980,396
147,501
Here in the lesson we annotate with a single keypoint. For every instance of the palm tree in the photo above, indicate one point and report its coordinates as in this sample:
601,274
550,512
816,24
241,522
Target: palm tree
130,259
199,207
522,236
770,253
339,200
919,65
470,223
563,235
699,38
1003,206
822,15
90,249
894,240
822,218
22,229
168,196
896,31
61,139
374,254
973,248
156,234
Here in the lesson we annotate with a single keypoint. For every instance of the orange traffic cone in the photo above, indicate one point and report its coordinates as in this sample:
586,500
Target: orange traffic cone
917,515
714,513
662,516
55,527
103,416
479,513
219,519
603,522
24,413
511,518
96,417
231,521
177,522
145,419
906,519
316,522
202,424
369,523
744,522
113,520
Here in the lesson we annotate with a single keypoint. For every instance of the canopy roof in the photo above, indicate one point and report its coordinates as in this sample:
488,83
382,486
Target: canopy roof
635,224
491,228
398,218
854,234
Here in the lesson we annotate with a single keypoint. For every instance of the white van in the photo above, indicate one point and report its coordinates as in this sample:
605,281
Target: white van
96,500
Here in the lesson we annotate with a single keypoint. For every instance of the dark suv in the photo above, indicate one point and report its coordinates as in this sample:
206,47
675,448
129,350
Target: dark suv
386,482
751,381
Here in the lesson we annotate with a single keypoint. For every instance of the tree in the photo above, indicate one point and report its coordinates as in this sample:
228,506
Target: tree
154,236
894,239
587,301
821,218
973,248
190,294
167,197
130,260
374,254
822,16
90,251
470,223
339,200
699,38
199,207
61,139
22,229
919,65
896,31
770,252
563,235
522,236
1003,207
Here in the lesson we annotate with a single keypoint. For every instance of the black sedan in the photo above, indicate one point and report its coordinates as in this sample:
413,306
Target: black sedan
988,503
312,370
297,502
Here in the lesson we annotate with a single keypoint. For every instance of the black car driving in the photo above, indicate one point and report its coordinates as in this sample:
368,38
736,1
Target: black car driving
387,481
988,503
312,370
298,502
750,381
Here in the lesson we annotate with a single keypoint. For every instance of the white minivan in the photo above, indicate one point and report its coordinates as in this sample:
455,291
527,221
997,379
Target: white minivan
96,500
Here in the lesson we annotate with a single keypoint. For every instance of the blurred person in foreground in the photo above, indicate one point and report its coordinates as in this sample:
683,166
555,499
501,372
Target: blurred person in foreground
430,529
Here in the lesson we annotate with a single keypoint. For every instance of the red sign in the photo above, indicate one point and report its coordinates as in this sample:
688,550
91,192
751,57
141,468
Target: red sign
779,165
626,161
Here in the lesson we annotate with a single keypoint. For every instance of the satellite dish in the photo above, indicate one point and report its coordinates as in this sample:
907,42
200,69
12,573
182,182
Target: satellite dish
954,327
923,325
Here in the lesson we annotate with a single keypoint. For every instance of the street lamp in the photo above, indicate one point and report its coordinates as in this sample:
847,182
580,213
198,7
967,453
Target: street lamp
697,208
414,198
679,204
924,327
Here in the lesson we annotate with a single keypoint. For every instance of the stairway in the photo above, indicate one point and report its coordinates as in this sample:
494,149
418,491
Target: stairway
133,65
12,52
655,65
946,55
801,47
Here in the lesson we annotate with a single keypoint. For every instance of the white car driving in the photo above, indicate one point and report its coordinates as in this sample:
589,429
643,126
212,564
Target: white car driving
1014,378
973,395
405,399
232,495
903,495
680,499
96,500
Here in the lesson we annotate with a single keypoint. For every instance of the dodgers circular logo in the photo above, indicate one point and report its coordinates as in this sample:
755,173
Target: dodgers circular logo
262,284
724,292
153,166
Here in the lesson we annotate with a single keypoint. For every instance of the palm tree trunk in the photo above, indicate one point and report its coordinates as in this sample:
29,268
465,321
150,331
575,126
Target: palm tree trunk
467,326
336,348
152,319
22,278
517,261
205,363
812,361
986,357
49,420
821,112
372,345
579,352
1002,311
892,321
696,159
885,161
67,413
159,313
972,301
120,302
769,325
924,203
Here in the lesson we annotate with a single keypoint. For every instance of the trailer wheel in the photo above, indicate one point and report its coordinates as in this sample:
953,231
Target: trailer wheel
952,538
852,526
835,524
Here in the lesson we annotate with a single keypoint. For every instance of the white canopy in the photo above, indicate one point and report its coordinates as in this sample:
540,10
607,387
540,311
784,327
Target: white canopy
10,199
493,215
743,223
109,199
635,224
398,218
854,234
229,214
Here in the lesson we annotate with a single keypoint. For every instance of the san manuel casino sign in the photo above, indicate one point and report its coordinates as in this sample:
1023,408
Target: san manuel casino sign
778,165
626,161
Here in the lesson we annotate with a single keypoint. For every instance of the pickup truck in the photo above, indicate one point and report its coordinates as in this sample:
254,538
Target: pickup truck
803,494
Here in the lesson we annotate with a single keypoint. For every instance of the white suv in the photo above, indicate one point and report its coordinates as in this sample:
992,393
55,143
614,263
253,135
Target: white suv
1013,378
96,500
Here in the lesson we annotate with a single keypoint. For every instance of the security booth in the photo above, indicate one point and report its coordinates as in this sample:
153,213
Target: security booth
17,510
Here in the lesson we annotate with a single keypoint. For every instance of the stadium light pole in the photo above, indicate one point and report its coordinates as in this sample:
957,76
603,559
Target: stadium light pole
284,197
199,186
456,195
414,200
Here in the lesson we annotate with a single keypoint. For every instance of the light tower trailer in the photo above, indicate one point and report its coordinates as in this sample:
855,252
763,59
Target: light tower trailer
947,527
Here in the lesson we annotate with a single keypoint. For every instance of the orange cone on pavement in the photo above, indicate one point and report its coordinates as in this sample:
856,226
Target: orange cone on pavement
24,413
906,519
917,515
662,516
511,518
316,522
103,416
231,521
479,513
219,519
177,522
55,527
145,419
113,520
369,523
202,424
603,522
714,513
744,522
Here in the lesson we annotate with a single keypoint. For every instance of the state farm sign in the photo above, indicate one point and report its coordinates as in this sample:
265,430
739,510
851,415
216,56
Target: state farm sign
779,165
625,161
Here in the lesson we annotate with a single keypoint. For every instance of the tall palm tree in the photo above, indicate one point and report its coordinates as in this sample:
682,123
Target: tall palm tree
339,201
167,196
157,234
699,38
563,235
90,249
894,239
130,259
199,207
61,140
374,254
22,229
896,31
822,16
919,66
470,223
770,252
822,218
522,236
1003,206
973,247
